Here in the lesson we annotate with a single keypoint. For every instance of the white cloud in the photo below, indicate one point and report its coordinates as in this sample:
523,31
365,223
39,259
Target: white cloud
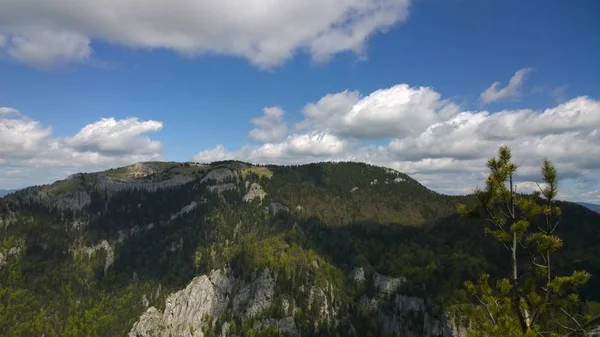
47,49
431,139
8,111
111,137
271,127
512,90
30,154
43,33
297,148
20,137
397,111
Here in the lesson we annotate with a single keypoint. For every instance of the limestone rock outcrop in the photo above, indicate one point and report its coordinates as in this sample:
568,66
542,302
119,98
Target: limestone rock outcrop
204,300
276,208
255,191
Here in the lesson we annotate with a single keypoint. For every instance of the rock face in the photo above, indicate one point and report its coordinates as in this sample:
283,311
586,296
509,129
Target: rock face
255,191
185,210
401,315
70,200
197,307
223,179
276,208
285,325
256,296
11,252
205,299
358,275
110,253
387,285
220,175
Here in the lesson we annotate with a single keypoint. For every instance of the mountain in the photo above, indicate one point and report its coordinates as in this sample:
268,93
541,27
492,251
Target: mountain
234,249
5,192
593,207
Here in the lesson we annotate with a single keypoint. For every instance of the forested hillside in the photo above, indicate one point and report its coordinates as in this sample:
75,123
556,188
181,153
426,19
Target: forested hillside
311,250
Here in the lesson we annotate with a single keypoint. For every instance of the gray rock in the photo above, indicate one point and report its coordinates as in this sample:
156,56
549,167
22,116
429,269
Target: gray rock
2,260
225,329
285,325
358,275
202,301
220,188
285,305
276,208
145,301
256,296
148,324
221,175
255,191
185,210
318,297
387,285
399,180
110,253
176,245
15,251
185,311
408,316
354,189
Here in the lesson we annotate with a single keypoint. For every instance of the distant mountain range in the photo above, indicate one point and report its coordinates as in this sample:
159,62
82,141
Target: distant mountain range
593,207
5,192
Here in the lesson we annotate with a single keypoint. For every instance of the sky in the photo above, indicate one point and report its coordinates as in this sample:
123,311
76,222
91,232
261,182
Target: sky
431,88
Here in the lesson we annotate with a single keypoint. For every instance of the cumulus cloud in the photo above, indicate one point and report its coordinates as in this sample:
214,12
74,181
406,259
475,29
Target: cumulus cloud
47,49
297,148
397,111
43,33
31,154
416,131
512,90
116,137
271,127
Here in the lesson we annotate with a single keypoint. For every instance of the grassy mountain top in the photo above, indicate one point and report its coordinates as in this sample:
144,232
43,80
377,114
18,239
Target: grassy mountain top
335,193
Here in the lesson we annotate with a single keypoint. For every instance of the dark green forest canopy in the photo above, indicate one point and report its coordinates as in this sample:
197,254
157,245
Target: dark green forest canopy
344,215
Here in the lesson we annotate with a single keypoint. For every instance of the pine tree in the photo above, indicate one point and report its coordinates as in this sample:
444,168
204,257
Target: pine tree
532,300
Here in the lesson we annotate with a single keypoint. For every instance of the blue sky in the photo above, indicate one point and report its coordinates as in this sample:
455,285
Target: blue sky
204,89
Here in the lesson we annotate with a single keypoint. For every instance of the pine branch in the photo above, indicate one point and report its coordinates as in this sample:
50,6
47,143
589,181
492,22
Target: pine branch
592,321
487,308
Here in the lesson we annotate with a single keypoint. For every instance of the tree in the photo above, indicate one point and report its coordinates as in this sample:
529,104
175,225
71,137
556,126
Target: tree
532,300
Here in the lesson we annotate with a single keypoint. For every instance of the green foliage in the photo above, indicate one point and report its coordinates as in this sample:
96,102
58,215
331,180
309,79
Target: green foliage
532,301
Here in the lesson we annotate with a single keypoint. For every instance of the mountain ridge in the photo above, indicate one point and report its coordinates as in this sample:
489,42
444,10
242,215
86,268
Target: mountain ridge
376,251
5,192
593,207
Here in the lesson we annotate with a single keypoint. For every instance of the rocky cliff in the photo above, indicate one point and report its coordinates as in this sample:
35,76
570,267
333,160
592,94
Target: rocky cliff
221,297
